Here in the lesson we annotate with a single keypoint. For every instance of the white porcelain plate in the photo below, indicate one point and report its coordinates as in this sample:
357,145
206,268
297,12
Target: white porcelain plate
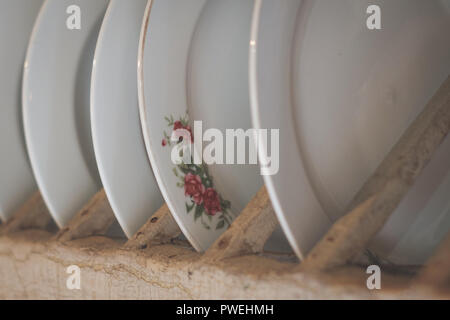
118,142
193,67
341,95
56,92
16,179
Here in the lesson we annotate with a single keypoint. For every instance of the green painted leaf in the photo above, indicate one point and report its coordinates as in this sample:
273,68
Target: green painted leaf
206,226
185,169
198,212
189,207
225,204
220,225
207,183
193,168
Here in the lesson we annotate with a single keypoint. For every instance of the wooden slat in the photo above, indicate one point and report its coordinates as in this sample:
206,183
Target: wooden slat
33,214
248,233
95,218
160,228
437,271
33,266
415,148
382,193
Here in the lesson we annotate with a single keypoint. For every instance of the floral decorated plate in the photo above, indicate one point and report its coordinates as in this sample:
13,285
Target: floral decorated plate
119,146
192,68
56,108
343,94
16,179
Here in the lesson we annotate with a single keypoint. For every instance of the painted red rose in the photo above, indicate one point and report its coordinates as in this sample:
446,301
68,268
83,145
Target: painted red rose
164,142
194,188
177,125
211,201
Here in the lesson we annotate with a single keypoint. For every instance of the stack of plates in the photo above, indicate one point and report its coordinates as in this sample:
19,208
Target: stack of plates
102,104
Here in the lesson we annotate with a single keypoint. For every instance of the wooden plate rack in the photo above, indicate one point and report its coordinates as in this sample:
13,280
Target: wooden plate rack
155,264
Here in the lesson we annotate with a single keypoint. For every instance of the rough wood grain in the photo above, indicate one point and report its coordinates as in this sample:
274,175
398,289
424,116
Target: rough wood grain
437,271
95,218
33,266
382,193
160,228
32,214
248,233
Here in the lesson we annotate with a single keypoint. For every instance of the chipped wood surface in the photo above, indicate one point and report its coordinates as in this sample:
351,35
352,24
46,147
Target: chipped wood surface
341,243
384,190
33,266
32,214
437,271
248,233
160,228
95,218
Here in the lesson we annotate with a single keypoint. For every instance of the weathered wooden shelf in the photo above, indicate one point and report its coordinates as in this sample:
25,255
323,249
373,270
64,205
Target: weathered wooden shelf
155,264
34,266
